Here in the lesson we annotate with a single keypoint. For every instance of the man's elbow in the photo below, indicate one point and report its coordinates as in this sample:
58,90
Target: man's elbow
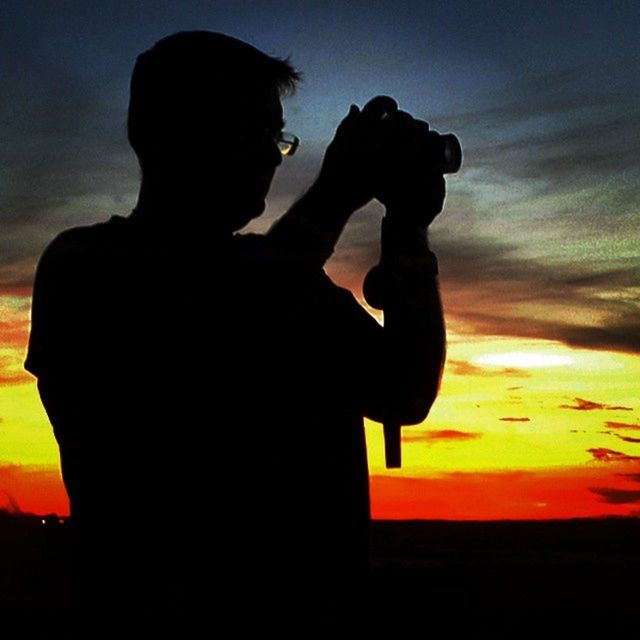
405,401
404,411
414,410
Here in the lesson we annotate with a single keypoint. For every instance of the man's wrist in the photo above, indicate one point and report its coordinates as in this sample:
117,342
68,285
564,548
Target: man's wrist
405,245
326,206
403,234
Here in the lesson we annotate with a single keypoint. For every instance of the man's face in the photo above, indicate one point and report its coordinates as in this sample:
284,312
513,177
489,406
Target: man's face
247,157
256,155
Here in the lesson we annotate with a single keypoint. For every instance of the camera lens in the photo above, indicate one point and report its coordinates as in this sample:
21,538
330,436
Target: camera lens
451,153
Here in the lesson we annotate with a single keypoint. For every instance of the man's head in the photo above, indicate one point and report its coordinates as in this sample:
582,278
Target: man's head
204,116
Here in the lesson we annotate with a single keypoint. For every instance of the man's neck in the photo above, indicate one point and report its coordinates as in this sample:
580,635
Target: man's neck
177,209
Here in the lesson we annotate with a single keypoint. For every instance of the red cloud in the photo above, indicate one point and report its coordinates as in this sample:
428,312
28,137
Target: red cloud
627,438
583,405
11,372
608,455
515,419
589,405
14,334
634,477
616,496
445,434
621,425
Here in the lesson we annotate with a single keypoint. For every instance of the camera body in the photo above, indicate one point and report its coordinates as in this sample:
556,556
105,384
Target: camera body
443,151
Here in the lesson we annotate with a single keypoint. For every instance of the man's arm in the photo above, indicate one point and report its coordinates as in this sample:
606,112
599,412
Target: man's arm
402,362
310,229
412,347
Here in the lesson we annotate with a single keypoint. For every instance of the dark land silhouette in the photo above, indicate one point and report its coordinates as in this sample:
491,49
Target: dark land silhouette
510,579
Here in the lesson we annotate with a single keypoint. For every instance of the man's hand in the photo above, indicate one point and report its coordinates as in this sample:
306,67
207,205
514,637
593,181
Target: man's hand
409,185
388,157
351,161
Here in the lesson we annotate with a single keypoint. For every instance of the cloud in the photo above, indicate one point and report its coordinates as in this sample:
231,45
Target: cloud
464,368
551,160
583,405
560,127
608,455
65,160
621,425
554,135
616,496
589,405
12,372
445,434
515,419
14,326
489,286
634,477
627,438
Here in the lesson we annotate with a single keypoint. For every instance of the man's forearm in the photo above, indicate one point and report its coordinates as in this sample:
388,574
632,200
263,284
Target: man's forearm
414,321
312,226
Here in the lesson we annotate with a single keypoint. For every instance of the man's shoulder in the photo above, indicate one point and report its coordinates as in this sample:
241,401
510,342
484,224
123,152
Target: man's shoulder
82,241
87,237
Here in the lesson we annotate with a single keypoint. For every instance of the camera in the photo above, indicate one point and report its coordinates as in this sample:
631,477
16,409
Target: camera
444,150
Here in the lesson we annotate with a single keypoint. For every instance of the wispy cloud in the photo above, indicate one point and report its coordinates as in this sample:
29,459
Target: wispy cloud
493,288
464,368
581,404
616,496
621,425
627,438
551,164
435,436
12,371
556,134
515,419
609,455
634,477
65,160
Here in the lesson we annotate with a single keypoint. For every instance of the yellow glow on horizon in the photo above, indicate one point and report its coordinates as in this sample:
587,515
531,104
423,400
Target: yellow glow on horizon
519,411
524,359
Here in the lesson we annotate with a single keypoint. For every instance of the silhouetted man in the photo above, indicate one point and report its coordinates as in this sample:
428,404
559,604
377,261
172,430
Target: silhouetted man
207,388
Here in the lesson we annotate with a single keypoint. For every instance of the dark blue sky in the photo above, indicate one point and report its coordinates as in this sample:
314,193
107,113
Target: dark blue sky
540,232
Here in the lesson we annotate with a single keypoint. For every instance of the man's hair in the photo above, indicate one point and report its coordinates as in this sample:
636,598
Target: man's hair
193,69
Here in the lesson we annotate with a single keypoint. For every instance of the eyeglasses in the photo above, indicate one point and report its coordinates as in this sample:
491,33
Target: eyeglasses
287,143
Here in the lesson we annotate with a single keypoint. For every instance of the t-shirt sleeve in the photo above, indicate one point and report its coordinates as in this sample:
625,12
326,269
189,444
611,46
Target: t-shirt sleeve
52,308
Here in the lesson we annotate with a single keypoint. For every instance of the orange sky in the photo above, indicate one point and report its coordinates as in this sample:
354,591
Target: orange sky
522,428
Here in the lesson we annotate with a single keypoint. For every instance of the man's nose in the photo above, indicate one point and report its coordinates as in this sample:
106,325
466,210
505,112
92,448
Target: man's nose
276,157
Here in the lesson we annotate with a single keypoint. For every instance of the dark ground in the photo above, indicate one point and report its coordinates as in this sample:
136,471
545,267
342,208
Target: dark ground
430,579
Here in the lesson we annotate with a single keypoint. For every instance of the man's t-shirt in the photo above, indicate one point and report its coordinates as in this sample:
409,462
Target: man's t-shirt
206,394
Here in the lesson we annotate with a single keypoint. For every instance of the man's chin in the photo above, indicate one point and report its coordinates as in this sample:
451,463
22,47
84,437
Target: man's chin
248,213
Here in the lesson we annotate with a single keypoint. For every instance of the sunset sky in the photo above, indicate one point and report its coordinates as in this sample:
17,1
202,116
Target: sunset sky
538,245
